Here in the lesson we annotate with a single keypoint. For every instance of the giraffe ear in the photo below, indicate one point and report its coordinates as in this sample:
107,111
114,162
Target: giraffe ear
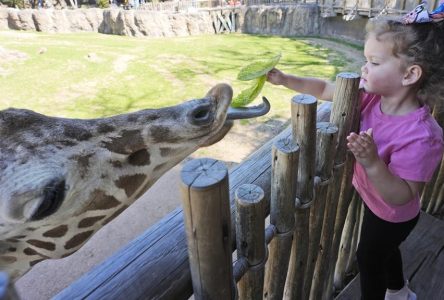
412,75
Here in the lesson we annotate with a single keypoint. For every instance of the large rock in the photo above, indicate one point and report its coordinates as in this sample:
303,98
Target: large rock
285,20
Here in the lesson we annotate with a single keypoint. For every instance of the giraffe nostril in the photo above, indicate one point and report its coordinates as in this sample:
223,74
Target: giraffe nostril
53,196
201,115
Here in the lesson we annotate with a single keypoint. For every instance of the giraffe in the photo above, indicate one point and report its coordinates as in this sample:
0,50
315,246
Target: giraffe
63,179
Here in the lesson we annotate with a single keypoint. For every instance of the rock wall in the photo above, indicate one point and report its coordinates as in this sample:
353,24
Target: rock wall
110,21
284,20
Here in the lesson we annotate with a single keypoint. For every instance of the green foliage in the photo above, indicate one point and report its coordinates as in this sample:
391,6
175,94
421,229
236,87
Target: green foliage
258,68
247,96
14,3
103,3
118,74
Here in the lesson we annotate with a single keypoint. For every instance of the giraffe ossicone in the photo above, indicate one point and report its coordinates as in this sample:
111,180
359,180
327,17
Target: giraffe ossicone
63,179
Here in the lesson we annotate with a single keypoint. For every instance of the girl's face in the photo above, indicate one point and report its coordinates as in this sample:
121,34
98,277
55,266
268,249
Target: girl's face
382,73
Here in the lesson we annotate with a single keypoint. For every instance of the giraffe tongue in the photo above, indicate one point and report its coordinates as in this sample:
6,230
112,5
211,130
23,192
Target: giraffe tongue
249,112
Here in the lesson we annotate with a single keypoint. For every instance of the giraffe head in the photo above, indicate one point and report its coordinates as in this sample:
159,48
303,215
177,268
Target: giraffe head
63,179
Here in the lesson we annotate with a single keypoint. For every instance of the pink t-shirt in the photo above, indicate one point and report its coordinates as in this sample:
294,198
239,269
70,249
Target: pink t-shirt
411,145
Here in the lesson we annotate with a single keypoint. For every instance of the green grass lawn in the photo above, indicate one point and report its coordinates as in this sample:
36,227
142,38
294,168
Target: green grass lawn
86,75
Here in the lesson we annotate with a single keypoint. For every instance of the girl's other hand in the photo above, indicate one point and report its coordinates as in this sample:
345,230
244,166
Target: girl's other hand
363,147
276,77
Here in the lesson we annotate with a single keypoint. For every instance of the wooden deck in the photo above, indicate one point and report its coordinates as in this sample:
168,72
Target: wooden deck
423,257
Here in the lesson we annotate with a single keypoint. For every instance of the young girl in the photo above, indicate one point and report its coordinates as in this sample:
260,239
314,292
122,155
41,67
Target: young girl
399,146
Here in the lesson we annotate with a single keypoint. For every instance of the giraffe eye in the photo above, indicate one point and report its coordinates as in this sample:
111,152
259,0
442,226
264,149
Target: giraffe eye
53,196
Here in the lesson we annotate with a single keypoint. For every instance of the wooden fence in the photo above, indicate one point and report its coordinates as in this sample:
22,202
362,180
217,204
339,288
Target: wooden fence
310,192
309,247
314,220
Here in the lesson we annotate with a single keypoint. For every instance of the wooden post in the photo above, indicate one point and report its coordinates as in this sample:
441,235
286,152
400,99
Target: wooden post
303,112
351,263
436,197
206,203
437,184
250,239
345,197
326,140
345,103
284,171
346,243
427,201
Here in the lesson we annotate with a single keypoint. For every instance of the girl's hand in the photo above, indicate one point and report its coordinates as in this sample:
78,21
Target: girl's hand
363,147
276,77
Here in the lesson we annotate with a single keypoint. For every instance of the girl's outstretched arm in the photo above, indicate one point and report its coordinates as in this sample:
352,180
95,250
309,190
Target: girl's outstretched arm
319,88
393,189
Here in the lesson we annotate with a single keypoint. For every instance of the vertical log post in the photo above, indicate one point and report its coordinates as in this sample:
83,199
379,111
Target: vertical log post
345,103
284,171
303,112
427,202
326,140
250,239
346,243
434,201
205,198
351,262
345,198
432,196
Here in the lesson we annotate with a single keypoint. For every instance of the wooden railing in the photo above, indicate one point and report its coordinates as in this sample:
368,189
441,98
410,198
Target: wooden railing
314,220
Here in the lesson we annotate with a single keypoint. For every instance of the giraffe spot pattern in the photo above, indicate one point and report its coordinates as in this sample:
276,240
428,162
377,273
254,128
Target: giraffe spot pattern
159,167
78,239
67,143
105,128
130,183
67,254
18,237
115,214
140,158
126,142
162,134
116,164
83,164
13,241
56,232
30,251
76,133
100,201
34,262
170,151
41,244
6,259
90,221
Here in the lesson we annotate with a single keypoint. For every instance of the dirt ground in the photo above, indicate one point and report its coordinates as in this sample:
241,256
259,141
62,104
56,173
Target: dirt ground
47,278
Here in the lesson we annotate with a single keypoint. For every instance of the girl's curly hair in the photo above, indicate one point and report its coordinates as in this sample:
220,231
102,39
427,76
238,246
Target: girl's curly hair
419,44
